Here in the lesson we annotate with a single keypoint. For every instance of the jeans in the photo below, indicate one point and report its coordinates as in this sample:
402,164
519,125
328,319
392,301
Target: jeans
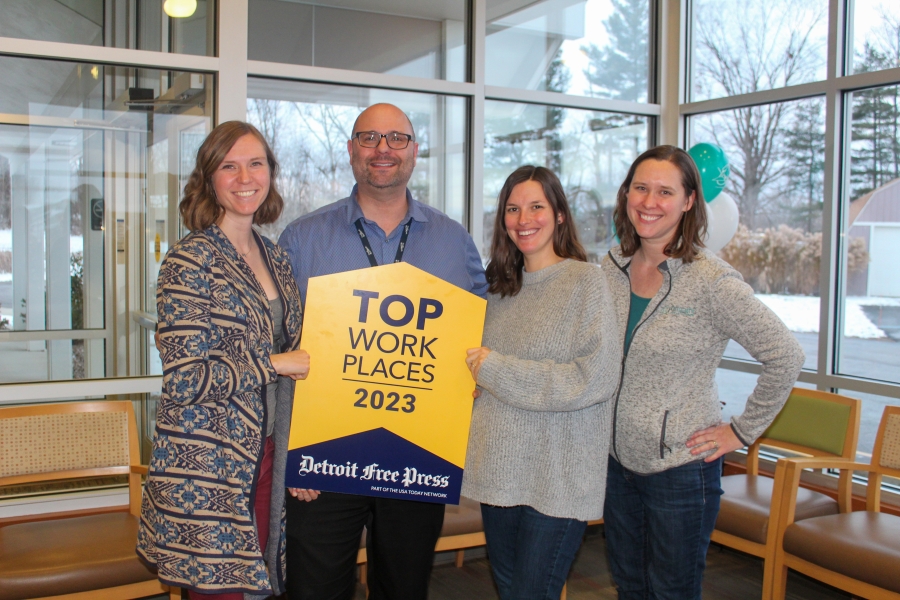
530,552
658,528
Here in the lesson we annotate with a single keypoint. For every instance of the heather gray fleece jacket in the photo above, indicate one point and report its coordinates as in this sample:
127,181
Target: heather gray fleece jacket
668,389
542,423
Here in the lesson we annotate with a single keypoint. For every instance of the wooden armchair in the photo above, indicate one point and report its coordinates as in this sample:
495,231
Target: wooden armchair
812,423
858,552
73,558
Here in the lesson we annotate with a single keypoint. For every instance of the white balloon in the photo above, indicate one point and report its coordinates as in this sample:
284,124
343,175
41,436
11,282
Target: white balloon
723,217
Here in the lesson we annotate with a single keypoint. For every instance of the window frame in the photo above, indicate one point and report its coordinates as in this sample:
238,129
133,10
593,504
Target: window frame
835,89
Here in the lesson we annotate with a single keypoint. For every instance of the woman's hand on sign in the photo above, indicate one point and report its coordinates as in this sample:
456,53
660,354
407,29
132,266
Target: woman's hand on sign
293,364
304,495
474,358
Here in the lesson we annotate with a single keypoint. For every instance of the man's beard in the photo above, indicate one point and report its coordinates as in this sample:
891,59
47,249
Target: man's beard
400,178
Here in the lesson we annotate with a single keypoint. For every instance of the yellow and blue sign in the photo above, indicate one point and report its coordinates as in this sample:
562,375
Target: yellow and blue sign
386,407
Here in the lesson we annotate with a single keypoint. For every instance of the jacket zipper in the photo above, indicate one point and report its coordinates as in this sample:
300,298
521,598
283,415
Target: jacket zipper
662,436
664,266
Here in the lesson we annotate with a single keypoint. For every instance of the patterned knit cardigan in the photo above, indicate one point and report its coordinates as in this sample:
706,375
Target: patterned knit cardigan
215,335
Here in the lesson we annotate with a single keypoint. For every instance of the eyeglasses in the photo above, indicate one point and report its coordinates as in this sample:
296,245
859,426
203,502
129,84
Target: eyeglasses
395,139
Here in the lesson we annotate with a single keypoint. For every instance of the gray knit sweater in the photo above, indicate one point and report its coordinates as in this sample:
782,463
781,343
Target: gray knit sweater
540,430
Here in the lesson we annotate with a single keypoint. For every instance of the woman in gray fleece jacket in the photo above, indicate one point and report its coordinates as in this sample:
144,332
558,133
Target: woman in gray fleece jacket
547,373
678,305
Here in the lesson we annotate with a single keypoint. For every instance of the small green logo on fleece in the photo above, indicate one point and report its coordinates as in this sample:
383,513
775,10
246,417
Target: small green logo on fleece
677,310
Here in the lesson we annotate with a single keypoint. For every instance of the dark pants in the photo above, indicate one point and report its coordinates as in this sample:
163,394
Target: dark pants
323,540
658,528
261,509
530,552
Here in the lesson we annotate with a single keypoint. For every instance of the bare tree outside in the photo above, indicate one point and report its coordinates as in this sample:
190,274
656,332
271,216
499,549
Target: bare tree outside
309,131
745,47
310,142
590,151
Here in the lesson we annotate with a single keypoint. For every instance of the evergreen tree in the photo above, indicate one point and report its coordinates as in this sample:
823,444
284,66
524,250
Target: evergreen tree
557,79
805,142
621,70
875,139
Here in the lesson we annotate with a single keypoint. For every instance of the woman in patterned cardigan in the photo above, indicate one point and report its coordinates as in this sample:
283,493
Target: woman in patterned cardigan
229,328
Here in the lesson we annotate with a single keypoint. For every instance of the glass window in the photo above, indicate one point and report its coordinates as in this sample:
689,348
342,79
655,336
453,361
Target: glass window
582,47
744,46
590,151
115,23
873,32
735,387
777,159
92,162
309,124
870,344
424,39
872,410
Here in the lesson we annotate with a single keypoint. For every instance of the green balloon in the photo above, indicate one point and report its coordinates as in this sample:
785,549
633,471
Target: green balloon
713,167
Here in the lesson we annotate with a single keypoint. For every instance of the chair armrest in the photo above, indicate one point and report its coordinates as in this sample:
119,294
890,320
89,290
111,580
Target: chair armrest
818,462
787,482
140,469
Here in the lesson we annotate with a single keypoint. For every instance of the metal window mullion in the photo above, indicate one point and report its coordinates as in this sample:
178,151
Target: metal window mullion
107,56
782,94
52,334
794,92
852,384
570,101
231,83
837,382
55,391
672,68
830,315
312,74
478,42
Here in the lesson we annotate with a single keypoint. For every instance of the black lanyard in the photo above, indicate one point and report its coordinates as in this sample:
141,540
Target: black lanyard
368,247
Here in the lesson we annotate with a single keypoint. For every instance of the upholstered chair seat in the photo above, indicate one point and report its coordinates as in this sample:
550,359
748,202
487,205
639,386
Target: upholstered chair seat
746,515
66,557
811,423
63,556
856,551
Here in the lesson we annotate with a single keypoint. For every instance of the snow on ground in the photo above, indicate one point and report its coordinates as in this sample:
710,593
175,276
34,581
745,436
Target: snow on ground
801,313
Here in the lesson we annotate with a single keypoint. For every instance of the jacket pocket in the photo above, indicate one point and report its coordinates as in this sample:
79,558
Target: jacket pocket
662,436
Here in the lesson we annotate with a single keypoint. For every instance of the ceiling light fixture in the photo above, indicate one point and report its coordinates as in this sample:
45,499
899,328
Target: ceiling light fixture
180,8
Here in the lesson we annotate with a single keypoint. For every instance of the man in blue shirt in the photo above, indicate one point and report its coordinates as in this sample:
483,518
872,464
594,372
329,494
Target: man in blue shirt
377,224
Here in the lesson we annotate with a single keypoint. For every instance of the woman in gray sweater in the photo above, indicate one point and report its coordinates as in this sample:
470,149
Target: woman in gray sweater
547,372
678,304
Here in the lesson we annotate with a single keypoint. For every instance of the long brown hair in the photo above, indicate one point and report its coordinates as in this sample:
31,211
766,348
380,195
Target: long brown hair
504,272
688,238
199,208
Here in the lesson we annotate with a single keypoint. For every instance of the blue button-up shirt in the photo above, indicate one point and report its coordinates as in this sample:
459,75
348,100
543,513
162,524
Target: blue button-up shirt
326,241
